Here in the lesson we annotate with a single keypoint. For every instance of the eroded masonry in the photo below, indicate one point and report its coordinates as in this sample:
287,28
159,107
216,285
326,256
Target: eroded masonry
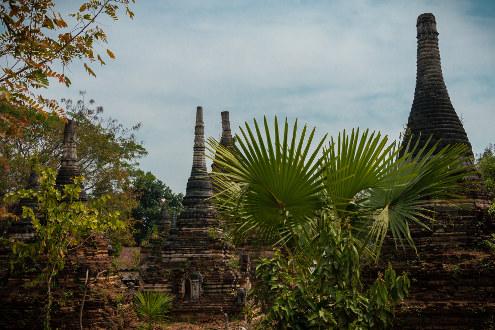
452,279
192,261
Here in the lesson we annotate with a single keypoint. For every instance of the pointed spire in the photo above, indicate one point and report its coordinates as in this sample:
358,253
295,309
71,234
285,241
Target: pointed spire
69,167
226,139
432,113
198,185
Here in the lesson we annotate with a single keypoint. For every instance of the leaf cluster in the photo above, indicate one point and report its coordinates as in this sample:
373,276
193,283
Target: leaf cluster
328,207
60,223
38,43
486,165
326,293
275,181
152,306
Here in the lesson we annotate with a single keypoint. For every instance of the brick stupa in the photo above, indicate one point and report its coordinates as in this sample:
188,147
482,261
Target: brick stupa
432,114
452,277
194,263
22,306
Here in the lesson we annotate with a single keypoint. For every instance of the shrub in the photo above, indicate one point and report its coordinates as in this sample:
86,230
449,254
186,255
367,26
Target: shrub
152,306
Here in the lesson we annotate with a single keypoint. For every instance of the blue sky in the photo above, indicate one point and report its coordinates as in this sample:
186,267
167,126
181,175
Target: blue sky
331,64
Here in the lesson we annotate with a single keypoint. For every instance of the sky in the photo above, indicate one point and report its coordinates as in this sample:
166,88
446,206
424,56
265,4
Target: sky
331,64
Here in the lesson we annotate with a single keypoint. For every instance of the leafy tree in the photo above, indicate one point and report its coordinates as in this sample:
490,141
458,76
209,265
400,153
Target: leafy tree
38,43
61,223
305,198
486,165
108,153
152,193
152,306
327,294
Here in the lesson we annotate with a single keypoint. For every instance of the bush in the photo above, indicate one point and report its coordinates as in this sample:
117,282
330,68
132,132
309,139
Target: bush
152,307
325,290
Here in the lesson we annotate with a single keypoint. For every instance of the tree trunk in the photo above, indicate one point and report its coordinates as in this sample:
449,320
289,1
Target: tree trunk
83,300
50,299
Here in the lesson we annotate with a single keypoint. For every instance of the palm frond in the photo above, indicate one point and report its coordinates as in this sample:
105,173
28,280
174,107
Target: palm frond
354,164
270,182
406,191
152,306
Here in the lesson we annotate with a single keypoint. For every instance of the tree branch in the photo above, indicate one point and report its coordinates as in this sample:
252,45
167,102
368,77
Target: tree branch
57,52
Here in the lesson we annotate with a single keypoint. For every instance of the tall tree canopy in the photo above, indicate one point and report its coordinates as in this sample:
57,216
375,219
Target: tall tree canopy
486,165
152,194
108,152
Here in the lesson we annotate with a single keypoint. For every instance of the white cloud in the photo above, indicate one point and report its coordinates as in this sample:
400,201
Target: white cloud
336,66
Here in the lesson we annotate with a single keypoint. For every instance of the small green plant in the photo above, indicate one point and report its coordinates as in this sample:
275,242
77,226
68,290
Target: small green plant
152,307
491,210
490,243
234,262
213,233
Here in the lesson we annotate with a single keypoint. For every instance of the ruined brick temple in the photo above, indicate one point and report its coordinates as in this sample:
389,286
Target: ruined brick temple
452,278
192,261
87,276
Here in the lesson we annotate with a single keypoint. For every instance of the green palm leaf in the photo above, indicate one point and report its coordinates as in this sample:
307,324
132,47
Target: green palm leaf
270,184
408,188
354,164
152,306
380,189
277,186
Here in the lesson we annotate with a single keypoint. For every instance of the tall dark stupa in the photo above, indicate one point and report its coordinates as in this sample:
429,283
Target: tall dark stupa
226,139
69,165
432,114
199,185
452,284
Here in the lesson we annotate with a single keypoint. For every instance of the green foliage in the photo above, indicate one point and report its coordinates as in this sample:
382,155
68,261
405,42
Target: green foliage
273,184
151,194
329,209
61,223
489,243
38,43
152,307
380,189
322,289
275,180
486,165
108,156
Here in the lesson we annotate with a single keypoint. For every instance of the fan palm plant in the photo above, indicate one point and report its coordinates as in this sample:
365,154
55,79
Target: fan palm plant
328,206
276,182
152,306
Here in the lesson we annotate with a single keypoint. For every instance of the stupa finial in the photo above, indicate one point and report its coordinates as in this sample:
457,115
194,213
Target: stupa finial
69,167
432,114
198,185
226,139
